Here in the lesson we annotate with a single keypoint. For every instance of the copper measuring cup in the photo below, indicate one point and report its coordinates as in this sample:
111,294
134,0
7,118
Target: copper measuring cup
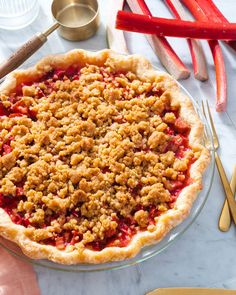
76,19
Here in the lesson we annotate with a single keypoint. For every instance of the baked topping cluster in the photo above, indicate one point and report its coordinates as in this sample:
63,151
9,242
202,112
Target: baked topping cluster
91,156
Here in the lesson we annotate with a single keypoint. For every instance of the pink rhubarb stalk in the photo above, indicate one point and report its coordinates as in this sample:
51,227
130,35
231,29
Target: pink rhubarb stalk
161,46
221,79
115,38
195,47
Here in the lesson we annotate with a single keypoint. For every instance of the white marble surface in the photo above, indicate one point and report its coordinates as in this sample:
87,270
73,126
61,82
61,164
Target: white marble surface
203,256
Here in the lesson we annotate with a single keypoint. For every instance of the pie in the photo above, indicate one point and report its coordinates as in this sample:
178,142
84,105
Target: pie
100,155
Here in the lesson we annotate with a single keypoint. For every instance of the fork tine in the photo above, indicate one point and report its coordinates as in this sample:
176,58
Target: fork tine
215,137
203,110
205,137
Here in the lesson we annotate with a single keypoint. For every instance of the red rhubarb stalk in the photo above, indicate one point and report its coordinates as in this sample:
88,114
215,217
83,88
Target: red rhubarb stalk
221,79
215,15
207,8
174,28
195,47
161,46
115,38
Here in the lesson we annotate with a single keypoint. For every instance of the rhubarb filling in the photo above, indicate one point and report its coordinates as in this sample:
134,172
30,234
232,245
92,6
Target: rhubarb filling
89,157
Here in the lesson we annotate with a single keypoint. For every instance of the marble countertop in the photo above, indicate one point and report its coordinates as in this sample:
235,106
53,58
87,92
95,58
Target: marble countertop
203,256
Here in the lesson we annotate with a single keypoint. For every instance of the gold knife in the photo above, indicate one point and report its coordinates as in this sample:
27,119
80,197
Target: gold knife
191,291
225,218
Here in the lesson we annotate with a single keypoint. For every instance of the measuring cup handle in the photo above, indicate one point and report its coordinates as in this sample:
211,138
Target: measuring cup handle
22,54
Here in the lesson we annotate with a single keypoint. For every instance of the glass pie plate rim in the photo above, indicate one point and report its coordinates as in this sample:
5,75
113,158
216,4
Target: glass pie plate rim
147,251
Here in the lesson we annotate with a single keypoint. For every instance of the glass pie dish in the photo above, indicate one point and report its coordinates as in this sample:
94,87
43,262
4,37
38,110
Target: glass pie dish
148,251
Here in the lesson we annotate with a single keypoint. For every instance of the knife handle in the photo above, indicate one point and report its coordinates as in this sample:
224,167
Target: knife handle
191,291
226,186
225,217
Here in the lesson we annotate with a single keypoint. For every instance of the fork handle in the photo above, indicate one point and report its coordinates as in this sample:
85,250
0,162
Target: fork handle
227,189
225,218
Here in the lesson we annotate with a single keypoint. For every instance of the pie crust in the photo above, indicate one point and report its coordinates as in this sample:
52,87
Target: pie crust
167,220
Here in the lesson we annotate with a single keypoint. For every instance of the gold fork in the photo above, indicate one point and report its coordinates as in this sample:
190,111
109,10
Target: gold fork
226,185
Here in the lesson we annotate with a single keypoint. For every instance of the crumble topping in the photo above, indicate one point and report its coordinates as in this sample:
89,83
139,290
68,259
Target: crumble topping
90,156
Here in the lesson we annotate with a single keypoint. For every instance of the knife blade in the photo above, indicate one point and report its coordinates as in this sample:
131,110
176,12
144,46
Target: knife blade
191,291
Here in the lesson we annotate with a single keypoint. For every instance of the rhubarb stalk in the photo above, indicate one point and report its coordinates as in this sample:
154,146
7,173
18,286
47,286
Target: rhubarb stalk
195,47
115,38
161,46
215,15
221,79
174,28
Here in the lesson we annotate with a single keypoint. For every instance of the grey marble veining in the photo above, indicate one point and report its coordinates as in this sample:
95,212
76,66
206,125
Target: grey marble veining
202,256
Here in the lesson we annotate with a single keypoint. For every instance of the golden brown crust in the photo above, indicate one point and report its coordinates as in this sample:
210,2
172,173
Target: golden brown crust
142,68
